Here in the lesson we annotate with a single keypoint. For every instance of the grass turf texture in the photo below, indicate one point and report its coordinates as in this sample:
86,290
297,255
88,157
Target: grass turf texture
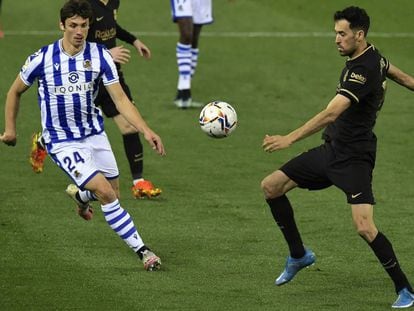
211,226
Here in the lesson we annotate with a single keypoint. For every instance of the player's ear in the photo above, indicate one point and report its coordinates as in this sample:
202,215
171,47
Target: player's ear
61,26
361,34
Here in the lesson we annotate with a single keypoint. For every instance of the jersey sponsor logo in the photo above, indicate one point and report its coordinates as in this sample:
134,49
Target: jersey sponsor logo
57,66
358,78
79,88
73,77
98,19
106,34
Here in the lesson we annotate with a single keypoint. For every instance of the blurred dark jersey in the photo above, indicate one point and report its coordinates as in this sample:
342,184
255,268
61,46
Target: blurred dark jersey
104,28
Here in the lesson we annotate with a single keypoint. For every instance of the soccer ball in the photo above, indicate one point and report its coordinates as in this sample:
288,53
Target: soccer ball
218,119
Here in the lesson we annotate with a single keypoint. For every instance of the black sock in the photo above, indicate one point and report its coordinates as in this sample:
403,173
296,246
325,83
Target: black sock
134,152
283,215
382,248
141,250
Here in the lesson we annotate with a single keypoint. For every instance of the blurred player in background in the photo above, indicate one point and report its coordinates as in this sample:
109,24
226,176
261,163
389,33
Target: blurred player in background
104,29
347,157
1,28
68,73
190,16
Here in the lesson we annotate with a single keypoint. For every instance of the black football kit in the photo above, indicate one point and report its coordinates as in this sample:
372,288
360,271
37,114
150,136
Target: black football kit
347,157
104,29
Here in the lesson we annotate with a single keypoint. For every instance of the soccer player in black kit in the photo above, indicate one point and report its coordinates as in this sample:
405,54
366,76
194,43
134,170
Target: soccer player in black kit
346,159
104,29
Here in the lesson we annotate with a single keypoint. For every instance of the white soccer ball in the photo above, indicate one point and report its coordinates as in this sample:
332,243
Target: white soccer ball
218,119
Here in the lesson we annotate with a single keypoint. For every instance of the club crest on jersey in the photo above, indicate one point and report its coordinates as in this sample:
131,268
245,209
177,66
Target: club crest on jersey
73,77
87,64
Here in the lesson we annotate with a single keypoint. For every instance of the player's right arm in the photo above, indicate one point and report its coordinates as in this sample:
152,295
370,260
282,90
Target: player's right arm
11,109
399,76
335,107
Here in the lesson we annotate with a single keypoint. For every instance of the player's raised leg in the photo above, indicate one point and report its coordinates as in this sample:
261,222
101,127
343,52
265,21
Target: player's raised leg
274,187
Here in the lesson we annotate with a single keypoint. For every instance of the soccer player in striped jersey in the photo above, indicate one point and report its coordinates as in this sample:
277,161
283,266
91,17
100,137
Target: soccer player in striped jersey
68,73
190,17
106,30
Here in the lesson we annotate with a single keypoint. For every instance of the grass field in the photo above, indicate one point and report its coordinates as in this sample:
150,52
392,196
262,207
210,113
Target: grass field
276,63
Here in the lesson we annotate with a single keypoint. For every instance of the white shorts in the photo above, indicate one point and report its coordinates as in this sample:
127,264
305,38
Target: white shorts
83,159
199,10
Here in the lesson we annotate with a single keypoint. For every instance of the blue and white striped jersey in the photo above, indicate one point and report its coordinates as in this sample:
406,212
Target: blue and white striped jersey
67,87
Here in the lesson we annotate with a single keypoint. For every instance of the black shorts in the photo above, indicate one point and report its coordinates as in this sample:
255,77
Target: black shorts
324,166
104,100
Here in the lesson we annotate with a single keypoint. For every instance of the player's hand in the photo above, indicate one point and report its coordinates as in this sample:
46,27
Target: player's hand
8,139
142,49
155,141
275,142
120,54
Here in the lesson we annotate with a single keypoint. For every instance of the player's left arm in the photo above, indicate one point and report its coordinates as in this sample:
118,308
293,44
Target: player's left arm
336,106
9,137
399,76
128,37
133,116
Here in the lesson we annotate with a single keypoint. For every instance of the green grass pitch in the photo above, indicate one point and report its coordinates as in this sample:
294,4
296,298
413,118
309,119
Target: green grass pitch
275,61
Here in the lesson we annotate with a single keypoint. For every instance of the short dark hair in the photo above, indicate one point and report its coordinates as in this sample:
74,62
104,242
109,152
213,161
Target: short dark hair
357,17
76,7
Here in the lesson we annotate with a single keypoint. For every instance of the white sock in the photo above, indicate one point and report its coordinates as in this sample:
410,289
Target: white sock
183,53
194,60
121,222
87,196
134,182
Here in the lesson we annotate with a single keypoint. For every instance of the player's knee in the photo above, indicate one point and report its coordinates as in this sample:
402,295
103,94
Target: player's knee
270,189
367,231
106,194
186,36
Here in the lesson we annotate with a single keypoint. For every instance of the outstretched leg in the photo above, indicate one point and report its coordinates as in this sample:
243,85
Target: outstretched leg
362,215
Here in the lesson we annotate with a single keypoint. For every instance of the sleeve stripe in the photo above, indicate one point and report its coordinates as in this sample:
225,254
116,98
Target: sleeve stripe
350,93
357,81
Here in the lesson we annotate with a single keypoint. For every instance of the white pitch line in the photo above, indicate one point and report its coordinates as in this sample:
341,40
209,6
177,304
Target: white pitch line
260,34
